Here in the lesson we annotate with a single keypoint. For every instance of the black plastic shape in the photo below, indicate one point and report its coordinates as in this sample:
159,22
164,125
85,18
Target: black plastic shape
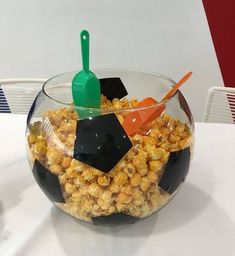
48,182
101,142
175,171
112,87
115,219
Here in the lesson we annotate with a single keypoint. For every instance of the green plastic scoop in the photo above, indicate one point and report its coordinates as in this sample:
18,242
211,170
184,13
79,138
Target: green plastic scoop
85,85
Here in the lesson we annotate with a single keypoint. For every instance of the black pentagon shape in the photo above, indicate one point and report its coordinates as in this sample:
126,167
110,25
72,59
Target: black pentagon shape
48,182
112,87
32,109
101,142
115,219
175,171
184,106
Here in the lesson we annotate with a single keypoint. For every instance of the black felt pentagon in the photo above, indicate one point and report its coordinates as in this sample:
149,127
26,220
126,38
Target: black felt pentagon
101,142
32,108
48,182
184,106
115,219
112,87
175,171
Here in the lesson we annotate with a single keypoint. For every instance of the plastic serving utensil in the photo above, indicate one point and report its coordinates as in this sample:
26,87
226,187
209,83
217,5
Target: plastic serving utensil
85,85
137,119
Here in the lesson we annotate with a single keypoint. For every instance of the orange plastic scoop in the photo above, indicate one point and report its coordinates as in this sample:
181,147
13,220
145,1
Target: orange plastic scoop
137,119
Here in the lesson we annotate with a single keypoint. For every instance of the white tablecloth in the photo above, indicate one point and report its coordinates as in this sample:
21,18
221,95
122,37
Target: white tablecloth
200,220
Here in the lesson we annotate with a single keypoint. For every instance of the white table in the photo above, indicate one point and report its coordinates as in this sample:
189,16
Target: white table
200,220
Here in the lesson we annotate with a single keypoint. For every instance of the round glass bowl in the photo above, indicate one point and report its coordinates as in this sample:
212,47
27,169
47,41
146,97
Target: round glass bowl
94,167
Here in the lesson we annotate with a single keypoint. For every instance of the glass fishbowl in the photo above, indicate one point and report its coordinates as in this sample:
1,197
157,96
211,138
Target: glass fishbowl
116,164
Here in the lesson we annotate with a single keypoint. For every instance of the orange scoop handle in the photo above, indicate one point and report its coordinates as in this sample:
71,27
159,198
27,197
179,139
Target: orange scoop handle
177,86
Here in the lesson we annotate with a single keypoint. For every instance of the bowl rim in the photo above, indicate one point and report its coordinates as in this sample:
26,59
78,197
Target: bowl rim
109,110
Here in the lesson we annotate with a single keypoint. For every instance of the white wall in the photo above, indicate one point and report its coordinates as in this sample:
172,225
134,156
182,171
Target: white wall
41,39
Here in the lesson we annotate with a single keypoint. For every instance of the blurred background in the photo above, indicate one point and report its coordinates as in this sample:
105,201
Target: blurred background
41,39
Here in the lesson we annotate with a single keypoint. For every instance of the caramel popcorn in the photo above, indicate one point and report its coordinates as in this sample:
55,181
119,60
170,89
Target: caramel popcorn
131,186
